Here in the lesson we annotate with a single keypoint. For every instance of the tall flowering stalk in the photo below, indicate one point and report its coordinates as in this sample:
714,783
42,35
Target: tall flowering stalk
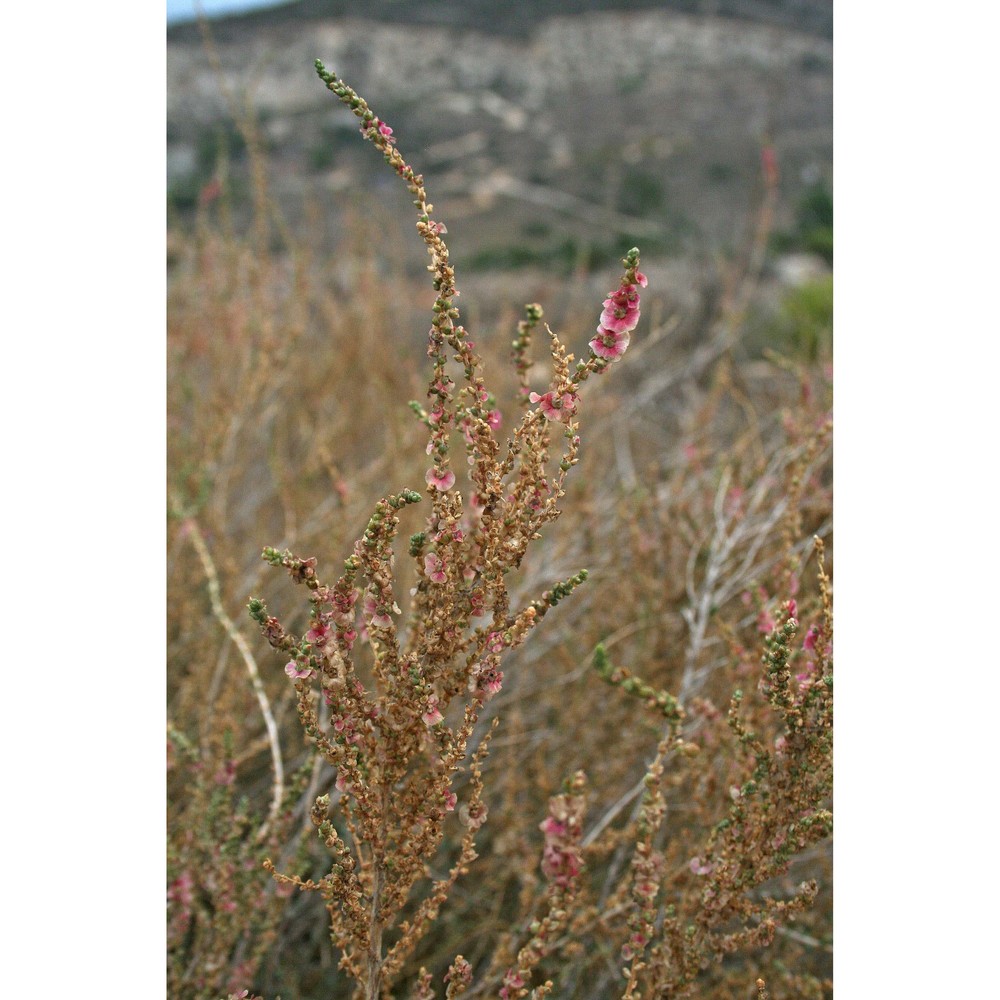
392,702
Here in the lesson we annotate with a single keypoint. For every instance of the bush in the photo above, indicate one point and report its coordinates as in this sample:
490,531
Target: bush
470,808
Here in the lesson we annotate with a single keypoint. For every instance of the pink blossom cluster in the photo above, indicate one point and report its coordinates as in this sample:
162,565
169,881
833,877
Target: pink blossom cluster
375,127
181,892
513,983
618,320
344,726
460,973
561,857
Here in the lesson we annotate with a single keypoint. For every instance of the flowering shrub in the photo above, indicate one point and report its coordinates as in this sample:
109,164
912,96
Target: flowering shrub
410,659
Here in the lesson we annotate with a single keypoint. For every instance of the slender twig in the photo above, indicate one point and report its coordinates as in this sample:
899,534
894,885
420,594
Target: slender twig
214,594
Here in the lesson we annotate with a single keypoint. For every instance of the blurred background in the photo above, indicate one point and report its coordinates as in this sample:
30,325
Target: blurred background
554,135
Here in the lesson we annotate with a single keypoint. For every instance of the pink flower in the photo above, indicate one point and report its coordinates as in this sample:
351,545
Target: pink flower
512,981
809,642
432,716
293,670
450,801
489,680
182,889
434,568
621,310
806,677
318,633
556,407
493,418
440,479
342,784
619,320
551,827
699,867
344,726
226,775
376,616
477,603
561,858
609,345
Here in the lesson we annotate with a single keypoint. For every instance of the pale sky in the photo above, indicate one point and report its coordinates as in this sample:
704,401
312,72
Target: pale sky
185,10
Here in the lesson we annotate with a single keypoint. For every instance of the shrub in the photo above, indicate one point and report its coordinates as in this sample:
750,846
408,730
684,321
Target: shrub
634,842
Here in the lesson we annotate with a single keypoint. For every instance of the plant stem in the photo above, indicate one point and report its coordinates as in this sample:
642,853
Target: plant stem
375,923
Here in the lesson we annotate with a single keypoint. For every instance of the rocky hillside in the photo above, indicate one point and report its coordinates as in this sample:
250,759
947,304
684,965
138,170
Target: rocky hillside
566,127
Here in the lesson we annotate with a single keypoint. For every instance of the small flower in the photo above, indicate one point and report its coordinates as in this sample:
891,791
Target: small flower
432,715
619,319
609,345
551,827
379,617
450,801
182,889
809,642
512,982
294,671
805,679
621,310
489,681
441,480
556,406
699,867
493,418
226,775
318,633
434,568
